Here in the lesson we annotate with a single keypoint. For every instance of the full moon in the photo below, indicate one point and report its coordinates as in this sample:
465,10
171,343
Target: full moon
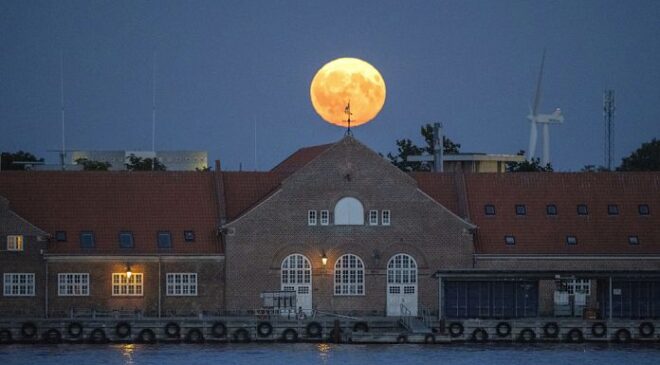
347,80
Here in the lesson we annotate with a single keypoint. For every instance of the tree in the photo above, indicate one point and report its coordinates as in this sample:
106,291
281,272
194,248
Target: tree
136,163
528,166
406,148
8,160
594,168
91,165
645,158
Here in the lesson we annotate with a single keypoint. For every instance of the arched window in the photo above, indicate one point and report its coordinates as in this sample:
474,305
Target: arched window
349,275
296,270
402,269
349,211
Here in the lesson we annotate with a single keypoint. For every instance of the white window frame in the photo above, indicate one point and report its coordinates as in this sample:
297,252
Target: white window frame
575,285
386,217
349,276
373,217
325,217
15,242
181,284
73,284
311,217
18,284
131,287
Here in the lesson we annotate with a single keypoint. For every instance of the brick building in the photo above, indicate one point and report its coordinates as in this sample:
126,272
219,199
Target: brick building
337,225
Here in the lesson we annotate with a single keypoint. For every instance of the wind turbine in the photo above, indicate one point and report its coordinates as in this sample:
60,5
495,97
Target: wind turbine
541,119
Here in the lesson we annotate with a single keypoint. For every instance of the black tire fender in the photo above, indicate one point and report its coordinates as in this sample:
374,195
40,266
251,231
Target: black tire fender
361,327
28,330
74,330
429,338
97,336
147,336
646,329
479,335
623,336
551,330
456,329
194,336
123,329
5,337
219,330
172,330
527,335
52,336
242,335
314,329
503,329
575,336
402,339
289,335
264,329
598,329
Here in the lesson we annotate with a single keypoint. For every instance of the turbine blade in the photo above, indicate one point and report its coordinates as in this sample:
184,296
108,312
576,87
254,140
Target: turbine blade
537,96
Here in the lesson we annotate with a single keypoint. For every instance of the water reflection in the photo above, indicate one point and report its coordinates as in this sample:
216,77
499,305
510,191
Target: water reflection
127,351
324,352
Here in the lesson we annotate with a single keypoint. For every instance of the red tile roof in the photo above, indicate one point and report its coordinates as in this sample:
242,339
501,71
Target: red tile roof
109,202
243,190
299,159
439,186
538,233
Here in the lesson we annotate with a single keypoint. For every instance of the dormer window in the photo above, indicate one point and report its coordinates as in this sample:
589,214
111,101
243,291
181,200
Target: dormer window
15,243
373,217
311,217
613,209
87,239
521,209
349,211
325,218
582,209
489,209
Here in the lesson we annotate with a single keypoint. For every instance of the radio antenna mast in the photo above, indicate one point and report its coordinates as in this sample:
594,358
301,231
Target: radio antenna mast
608,114
153,111
63,151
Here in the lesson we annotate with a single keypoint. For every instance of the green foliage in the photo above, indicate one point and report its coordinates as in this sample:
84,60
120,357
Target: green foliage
203,169
406,148
594,168
528,166
645,158
91,165
136,163
9,158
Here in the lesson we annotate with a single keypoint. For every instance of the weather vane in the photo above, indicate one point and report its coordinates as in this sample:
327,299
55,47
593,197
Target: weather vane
347,110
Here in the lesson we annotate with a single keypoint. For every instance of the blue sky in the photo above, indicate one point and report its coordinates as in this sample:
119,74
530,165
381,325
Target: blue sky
221,66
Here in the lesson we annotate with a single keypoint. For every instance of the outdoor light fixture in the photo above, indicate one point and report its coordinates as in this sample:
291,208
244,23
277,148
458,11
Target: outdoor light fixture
324,259
128,271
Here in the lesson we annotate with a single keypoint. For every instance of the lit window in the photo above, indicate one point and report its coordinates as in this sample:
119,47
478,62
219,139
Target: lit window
126,240
15,243
373,217
613,209
181,284
73,284
489,209
325,217
510,240
18,285
60,236
551,209
122,285
578,286
385,219
633,240
311,217
571,240
521,209
644,209
582,209
87,240
189,236
349,211
349,275
164,239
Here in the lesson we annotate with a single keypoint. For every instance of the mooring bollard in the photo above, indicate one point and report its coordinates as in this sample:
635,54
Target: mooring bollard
336,332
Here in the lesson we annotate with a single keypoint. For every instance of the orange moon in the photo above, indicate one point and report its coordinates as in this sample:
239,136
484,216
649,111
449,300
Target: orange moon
344,80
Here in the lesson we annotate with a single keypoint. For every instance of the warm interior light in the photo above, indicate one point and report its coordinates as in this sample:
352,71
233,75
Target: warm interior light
324,259
128,271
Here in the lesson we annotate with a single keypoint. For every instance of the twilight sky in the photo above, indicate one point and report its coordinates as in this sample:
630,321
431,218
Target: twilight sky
221,66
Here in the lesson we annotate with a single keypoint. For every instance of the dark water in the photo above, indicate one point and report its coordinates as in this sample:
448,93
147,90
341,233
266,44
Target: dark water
254,354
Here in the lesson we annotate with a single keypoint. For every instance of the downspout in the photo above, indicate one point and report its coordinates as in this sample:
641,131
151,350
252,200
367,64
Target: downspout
46,288
219,190
160,284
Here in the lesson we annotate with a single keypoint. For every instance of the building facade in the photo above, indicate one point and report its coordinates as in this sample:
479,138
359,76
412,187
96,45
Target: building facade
339,229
